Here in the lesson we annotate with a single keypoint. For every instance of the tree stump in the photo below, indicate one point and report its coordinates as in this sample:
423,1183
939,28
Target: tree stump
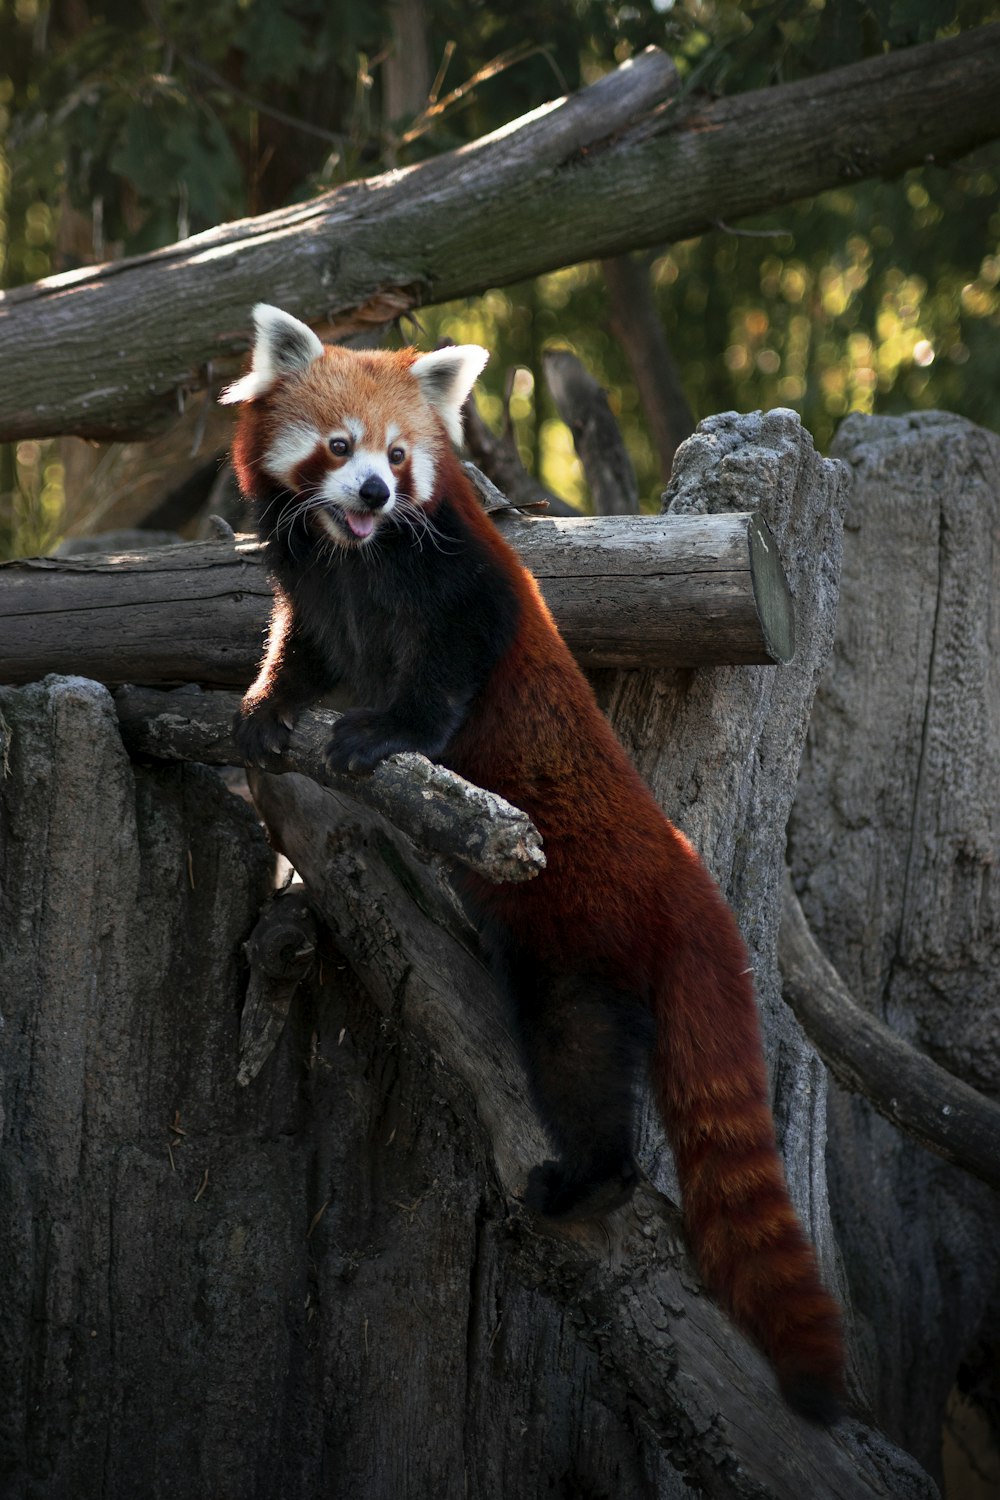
894,844
322,1282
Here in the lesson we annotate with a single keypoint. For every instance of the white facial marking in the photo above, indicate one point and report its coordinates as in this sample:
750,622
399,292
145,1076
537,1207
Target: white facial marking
341,485
355,428
295,442
422,471
391,434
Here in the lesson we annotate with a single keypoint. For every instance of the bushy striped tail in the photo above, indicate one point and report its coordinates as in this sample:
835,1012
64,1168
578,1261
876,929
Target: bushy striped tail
746,1236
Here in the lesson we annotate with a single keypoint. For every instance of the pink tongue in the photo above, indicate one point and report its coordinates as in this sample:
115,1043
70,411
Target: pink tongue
361,525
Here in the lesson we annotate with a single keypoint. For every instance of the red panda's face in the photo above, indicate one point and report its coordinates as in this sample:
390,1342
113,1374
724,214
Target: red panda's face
355,437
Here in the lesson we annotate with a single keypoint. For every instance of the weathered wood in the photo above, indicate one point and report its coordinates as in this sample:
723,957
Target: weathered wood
582,402
312,1285
666,1354
720,750
281,951
107,351
442,812
894,847
636,591
933,1106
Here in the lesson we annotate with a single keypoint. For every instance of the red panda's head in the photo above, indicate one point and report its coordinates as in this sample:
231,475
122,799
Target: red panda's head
352,435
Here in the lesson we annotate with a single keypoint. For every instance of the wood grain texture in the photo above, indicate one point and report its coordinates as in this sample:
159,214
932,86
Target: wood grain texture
894,846
104,352
695,1388
625,591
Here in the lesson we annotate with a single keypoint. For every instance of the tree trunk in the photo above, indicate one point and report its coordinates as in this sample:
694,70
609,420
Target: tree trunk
636,324
109,351
323,1282
895,847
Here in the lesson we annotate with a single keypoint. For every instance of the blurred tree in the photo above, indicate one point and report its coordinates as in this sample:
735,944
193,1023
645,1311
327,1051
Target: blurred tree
125,127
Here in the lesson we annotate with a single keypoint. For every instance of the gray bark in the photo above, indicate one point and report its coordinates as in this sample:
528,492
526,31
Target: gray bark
864,1055
352,1301
624,590
894,845
108,351
442,812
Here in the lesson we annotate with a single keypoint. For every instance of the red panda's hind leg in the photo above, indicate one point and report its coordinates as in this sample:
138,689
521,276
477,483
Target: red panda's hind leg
586,1046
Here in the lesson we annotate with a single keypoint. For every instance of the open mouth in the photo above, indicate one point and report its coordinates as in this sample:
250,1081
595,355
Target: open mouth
358,524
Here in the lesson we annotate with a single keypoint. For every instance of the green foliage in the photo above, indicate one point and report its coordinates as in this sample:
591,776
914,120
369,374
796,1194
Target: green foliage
124,127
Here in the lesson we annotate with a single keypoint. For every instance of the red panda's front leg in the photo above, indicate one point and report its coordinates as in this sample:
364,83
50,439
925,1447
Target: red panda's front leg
293,674
365,736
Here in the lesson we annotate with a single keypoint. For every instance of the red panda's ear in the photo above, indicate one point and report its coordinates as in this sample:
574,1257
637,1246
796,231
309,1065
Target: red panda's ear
283,346
446,377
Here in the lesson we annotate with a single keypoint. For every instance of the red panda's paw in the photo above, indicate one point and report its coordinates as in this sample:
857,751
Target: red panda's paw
260,733
561,1191
361,738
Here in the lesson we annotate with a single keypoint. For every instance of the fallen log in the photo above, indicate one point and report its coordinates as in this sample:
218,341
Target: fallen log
633,591
109,351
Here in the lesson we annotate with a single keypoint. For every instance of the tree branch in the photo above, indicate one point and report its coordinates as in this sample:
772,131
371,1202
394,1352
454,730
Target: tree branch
933,1106
636,324
583,405
442,812
103,352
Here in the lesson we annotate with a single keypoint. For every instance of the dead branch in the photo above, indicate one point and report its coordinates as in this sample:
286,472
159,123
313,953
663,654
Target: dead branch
933,1106
583,405
439,810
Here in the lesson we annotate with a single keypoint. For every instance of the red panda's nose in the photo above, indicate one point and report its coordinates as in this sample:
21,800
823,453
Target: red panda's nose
374,492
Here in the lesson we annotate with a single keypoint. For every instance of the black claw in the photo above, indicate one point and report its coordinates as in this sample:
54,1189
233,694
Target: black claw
259,734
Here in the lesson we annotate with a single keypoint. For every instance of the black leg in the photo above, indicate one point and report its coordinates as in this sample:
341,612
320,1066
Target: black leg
586,1046
293,674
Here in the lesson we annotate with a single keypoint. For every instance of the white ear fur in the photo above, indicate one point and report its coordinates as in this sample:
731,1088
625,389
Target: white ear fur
446,377
283,346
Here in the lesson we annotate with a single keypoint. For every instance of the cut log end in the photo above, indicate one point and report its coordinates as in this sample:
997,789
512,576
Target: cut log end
775,609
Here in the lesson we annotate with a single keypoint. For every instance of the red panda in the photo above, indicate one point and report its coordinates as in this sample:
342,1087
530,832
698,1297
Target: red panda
389,576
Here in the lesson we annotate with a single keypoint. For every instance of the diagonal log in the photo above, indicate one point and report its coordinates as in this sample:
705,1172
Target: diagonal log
909,1089
109,351
442,812
668,1357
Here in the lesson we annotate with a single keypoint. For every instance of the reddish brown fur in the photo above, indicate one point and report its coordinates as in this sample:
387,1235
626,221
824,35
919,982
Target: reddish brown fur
625,895
368,386
624,898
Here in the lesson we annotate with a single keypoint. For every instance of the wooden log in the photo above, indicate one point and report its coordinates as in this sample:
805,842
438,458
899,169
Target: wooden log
108,351
626,591
439,810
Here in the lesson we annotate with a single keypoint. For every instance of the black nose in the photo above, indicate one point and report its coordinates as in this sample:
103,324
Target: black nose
374,492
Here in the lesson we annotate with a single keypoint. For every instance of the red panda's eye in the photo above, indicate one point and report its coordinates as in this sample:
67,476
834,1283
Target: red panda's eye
396,455
340,446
